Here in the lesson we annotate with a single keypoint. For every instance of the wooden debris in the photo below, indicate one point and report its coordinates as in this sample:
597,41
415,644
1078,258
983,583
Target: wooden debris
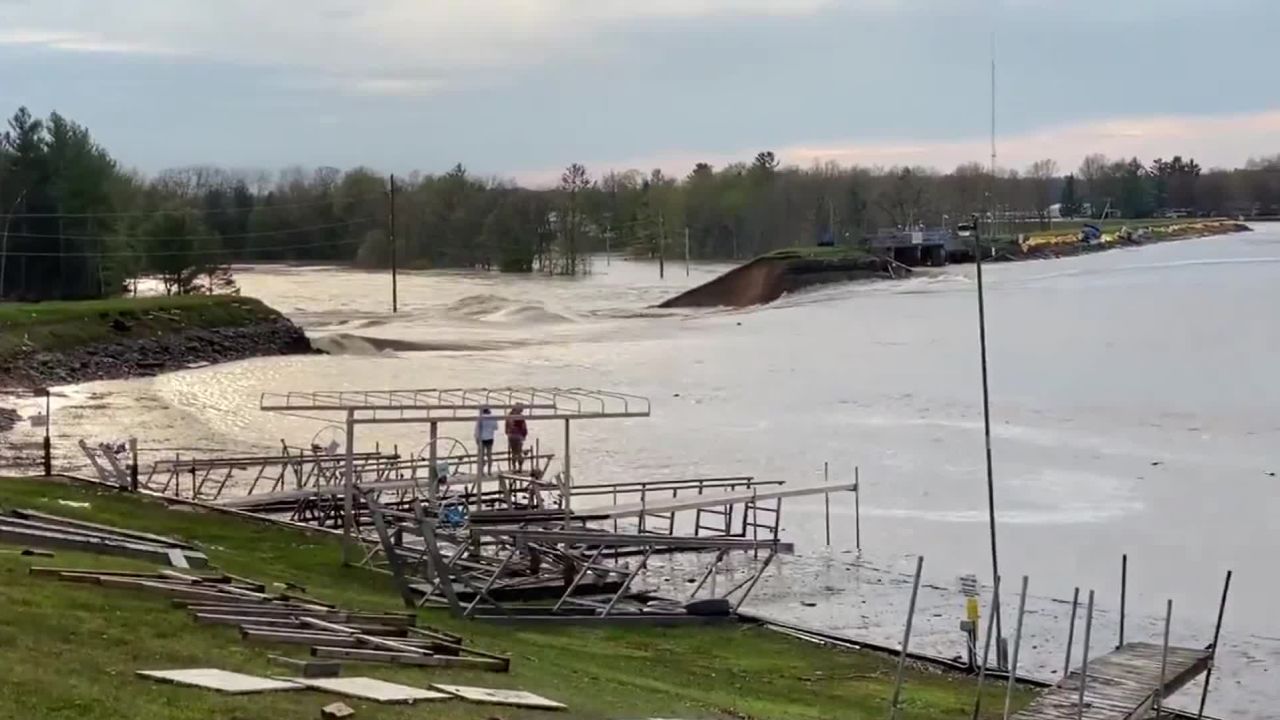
21,532
309,668
370,689
28,552
336,711
95,527
404,658
220,680
332,634
489,696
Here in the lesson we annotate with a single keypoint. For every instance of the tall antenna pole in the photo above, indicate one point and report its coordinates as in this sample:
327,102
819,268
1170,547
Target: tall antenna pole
978,251
993,107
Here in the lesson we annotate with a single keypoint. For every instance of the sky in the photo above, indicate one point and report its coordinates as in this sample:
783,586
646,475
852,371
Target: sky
521,88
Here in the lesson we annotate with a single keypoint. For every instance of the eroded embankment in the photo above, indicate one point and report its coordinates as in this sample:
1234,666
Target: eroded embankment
60,343
769,277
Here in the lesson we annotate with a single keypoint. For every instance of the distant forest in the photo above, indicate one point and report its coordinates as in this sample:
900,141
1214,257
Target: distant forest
76,224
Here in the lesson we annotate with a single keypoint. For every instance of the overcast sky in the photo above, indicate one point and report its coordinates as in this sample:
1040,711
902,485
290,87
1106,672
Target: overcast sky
519,88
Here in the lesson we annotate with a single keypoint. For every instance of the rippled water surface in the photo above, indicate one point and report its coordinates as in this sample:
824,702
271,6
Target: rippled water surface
1135,395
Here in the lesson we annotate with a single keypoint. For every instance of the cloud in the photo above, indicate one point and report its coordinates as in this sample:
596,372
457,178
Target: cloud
79,42
1215,141
411,39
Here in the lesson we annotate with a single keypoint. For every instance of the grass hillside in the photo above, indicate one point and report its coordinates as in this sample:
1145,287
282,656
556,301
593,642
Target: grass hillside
70,651
53,326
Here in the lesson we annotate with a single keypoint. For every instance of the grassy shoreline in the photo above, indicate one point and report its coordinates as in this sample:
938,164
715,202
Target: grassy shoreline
60,343
53,326
735,671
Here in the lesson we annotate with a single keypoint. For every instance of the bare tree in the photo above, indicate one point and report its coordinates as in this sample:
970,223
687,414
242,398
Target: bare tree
574,181
1093,171
1042,175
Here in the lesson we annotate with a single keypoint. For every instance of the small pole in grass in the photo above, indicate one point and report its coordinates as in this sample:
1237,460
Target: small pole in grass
1071,632
986,648
1084,667
1213,649
1017,645
1124,592
857,509
133,464
906,640
47,444
826,499
1164,656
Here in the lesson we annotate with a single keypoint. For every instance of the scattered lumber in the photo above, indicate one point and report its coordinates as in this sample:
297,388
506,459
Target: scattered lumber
44,531
309,668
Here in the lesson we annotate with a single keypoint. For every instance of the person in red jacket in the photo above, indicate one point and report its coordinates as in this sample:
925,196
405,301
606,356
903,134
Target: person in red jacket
517,433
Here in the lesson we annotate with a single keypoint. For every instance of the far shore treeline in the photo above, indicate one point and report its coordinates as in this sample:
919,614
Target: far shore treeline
74,223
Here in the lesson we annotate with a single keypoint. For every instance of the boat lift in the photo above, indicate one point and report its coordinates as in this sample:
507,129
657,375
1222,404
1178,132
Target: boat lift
432,407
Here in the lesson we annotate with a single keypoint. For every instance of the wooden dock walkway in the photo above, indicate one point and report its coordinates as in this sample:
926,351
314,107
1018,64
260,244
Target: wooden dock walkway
1122,685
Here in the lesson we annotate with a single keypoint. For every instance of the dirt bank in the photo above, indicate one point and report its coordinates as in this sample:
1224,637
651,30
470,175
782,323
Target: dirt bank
51,344
1066,244
769,277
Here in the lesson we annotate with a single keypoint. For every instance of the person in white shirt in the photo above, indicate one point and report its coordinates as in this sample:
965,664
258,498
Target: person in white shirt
486,429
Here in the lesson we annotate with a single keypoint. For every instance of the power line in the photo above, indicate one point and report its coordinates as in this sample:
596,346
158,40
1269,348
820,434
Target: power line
258,205
266,233
167,253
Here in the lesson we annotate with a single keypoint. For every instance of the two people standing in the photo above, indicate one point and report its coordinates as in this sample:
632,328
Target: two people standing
517,432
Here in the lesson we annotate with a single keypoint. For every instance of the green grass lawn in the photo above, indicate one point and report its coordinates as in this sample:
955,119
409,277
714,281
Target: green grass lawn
70,650
57,325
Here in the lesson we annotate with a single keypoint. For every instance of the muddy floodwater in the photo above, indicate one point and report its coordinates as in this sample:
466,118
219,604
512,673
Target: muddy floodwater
1135,396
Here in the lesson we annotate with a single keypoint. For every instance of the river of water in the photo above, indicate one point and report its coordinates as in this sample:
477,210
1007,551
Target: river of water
1135,398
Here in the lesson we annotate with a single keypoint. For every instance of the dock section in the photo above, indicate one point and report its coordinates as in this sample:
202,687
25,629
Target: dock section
1122,685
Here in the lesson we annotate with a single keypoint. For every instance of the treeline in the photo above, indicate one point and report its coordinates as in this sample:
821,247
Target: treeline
76,224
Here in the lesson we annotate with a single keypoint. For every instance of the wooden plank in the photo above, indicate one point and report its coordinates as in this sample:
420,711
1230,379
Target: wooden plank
19,535
55,571
309,668
457,648
85,525
400,623
495,696
283,636
398,658
220,680
434,634
1121,685
271,635
186,592
370,689
295,623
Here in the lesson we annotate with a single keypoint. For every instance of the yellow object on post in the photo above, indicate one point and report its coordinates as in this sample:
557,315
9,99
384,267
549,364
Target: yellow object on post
971,609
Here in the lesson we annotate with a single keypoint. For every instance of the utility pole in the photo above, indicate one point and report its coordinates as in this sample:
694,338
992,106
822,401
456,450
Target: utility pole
686,251
662,248
831,221
982,344
391,235
4,245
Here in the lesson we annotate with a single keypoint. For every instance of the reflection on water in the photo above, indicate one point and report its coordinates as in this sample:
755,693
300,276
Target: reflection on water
1134,395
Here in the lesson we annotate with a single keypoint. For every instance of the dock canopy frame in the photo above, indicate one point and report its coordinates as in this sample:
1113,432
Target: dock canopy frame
459,404
434,406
